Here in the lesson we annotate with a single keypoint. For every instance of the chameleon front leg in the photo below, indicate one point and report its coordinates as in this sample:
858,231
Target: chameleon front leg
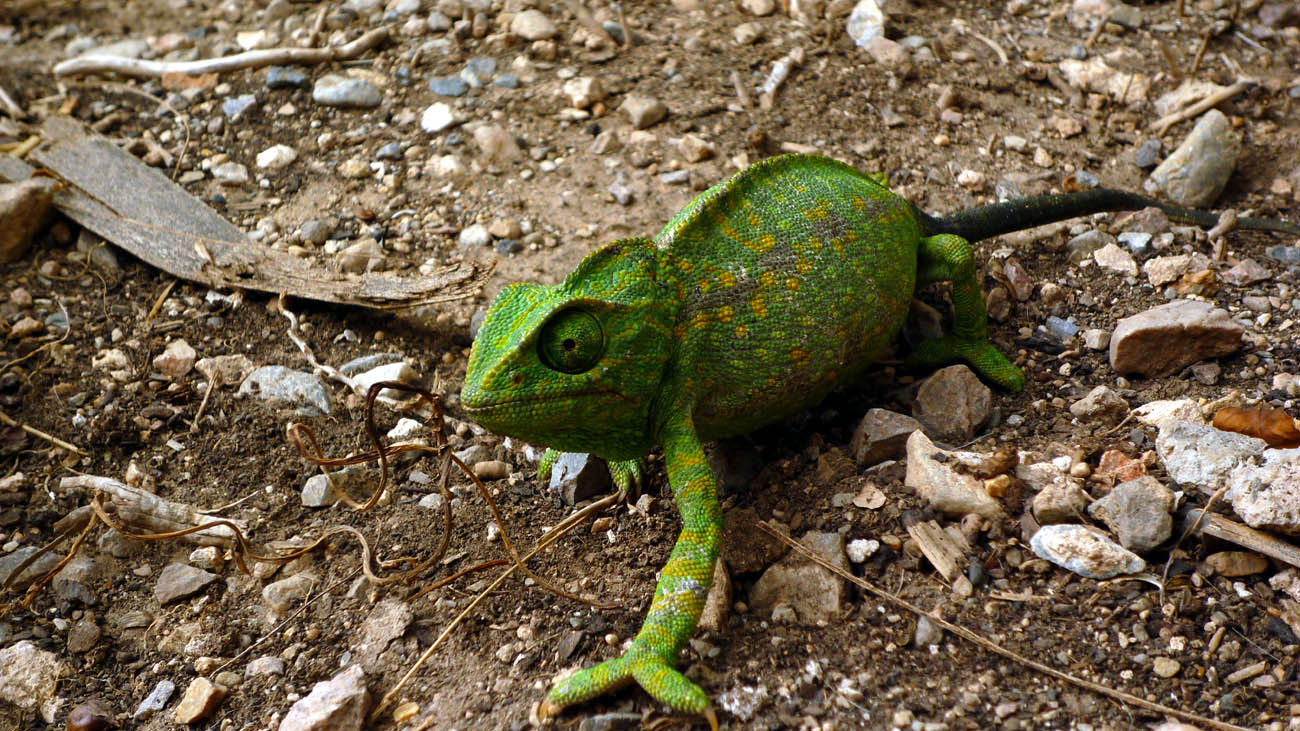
948,258
651,659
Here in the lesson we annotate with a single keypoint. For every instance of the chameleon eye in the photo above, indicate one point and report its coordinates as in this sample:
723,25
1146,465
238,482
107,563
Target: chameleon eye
571,341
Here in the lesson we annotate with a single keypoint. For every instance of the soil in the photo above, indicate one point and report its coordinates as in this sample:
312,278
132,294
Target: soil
861,671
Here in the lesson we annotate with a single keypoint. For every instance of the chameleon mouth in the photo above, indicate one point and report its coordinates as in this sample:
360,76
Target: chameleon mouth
478,408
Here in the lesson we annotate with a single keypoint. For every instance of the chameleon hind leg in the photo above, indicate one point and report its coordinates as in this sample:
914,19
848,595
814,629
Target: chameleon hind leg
651,659
948,258
626,473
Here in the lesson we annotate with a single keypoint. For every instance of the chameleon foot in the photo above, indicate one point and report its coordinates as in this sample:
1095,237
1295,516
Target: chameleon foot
625,473
663,682
987,360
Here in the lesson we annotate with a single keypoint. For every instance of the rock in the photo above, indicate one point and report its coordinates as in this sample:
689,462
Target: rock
1165,269
1087,244
891,55
84,635
337,704
1165,339
1084,551
438,117
747,34
400,372
225,370
230,173
287,77
179,580
1200,455
386,622
644,111
1267,495
320,492
1196,173
746,547
280,387
758,7
200,700
276,157
155,701
578,476
176,360
1287,582
1096,74
265,665
1061,501
584,91
41,566
953,404
24,211
1148,154
1101,404
236,107
931,473
533,25
281,594
475,235
796,582
496,144
861,549
28,679
881,435
340,91
1115,466
927,632
695,149
1115,259
1155,413
1138,512
1235,564
735,463
717,605
1165,667
1095,339
866,22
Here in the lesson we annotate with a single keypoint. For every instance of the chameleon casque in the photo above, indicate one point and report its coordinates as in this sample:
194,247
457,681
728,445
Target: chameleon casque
757,299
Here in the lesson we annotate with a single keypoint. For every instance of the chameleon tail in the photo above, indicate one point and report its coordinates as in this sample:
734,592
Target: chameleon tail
975,224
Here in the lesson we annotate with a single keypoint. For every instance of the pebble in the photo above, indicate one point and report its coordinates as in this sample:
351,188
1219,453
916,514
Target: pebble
438,117
475,234
340,91
1197,454
866,22
1265,493
179,580
891,55
1061,501
1086,244
1165,339
927,632
341,702
225,370
1196,173
493,469
1148,154
264,665
1115,259
386,622
236,107
622,194
276,157
1166,667
496,143
1084,551
953,404
695,149
1235,564
448,86
644,111
201,698
287,77
506,81
155,701
861,549
533,25
747,34
319,492
176,360
758,7
506,247
26,328
230,173
1101,404
280,595
390,151
584,91
281,387
1138,512
1137,242
1246,272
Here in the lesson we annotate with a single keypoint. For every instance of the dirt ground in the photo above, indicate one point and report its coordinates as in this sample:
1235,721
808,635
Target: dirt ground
862,671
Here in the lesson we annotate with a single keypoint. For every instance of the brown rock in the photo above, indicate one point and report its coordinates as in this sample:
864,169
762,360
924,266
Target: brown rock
1232,564
1168,338
201,699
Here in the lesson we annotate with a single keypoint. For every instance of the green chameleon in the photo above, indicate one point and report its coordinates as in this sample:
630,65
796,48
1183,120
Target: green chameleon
761,296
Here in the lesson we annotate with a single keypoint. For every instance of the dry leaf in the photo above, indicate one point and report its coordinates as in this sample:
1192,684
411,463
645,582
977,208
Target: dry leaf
1274,426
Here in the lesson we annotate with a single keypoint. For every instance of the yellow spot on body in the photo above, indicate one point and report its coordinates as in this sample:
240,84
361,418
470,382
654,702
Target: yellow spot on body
799,354
742,331
699,320
754,220
792,283
725,313
704,285
685,265
767,279
819,212
803,265
859,202
727,279
758,304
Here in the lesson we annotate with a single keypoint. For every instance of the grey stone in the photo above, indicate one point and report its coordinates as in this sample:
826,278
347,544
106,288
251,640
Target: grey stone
533,25
1148,154
953,404
340,91
236,107
882,434
287,77
1101,404
1202,456
386,622
1084,245
1267,495
1061,501
1195,174
281,594
339,704
155,701
265,665
28,680
281,387
931,473
644,111
1165,339
578,476
10,562
795,582
180,580
84,635
448,86
1138,511
1084,551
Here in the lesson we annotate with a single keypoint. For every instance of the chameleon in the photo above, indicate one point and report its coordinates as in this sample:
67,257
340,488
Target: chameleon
755,301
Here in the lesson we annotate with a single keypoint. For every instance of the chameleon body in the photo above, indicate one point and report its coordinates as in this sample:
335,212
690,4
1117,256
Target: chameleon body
756,300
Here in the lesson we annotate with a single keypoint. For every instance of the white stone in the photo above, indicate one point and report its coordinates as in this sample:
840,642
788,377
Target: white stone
276,157
437,117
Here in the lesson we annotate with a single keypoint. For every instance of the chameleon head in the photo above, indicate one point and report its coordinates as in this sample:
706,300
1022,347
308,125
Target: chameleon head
576,366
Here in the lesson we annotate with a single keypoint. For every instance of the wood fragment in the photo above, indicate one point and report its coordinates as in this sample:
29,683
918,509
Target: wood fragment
1217,526
139,209
944,553
148,513
140,68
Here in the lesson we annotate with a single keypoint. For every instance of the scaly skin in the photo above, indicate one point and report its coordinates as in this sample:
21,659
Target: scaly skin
754,302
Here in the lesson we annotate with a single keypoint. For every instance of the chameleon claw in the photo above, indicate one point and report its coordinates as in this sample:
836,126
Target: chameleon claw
549,709
712,717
